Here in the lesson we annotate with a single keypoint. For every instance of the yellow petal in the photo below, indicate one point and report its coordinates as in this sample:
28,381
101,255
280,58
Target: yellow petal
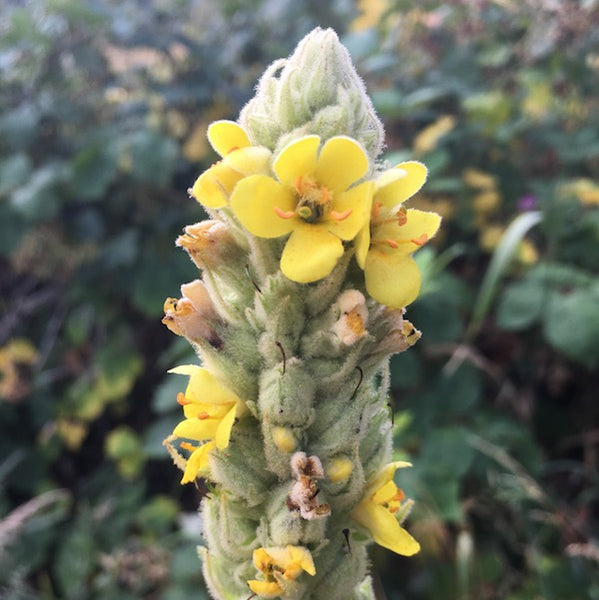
342,161
362,244
184,369
255,202
224,136
292,559
311,253
203,386
385,493
392,279
262,560
197,462
214,186
385,474
192,410
420,226
297,159
223,431
357,200
396,185
197,429
385,529
265,589
301,556
249,161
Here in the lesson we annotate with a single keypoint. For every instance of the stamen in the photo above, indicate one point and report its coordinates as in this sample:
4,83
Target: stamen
188,446
375,210
392,243
203,416
182,400
233,149
402,217
299,185
420,240
341,216
283,214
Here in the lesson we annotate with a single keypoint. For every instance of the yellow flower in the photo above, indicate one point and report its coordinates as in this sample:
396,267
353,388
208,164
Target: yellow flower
213,187
280,566
312,199
197,463
384,247
378,508
210,408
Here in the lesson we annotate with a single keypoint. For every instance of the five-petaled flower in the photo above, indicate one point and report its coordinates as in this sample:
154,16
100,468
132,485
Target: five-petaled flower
379,509
239,159
385,245
210,410
313,198
280,566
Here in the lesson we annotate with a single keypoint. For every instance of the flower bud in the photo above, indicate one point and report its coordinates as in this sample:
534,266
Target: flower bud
209,244
193,315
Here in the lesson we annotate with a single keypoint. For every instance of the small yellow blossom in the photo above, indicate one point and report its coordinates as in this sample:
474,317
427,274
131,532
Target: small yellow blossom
280,565
312,199
377,512
284,439
210,410
213,187
384,247
339,469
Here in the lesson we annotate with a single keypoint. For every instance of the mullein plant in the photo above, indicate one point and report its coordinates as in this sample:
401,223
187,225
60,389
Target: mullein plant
305,270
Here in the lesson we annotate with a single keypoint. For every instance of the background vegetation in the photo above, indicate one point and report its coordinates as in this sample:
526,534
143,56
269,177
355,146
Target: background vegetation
103,112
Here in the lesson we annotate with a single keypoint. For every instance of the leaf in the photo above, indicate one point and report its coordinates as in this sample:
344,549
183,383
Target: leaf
521,305
500,261
571,325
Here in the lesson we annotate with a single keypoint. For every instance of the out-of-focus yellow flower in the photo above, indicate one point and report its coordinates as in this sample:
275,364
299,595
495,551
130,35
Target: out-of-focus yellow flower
280,565
16,351
214,186
385,246
429,137
312,199
377,512
486,203
527,252
490,236
479,179
586,190
371,12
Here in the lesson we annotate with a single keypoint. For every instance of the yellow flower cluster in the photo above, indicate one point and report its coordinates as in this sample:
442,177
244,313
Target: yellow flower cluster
210,410
320,198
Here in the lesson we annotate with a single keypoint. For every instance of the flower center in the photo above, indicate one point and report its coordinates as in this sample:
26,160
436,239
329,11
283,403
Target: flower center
314,201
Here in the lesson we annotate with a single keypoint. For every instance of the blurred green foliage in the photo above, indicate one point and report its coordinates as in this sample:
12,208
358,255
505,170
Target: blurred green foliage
103,112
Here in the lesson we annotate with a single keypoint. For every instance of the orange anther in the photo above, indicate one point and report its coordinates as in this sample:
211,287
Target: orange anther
375,210
182,400
392,243
402,216
341,216
283,214
233,149
399,496
203,416
420,240
188,446
299,185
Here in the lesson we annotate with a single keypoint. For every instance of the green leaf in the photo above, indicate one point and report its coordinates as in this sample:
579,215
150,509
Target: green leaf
571,325
521,305
14,171
154,157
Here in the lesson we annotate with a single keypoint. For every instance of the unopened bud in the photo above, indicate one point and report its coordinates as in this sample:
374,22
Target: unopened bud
193,315
209,244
